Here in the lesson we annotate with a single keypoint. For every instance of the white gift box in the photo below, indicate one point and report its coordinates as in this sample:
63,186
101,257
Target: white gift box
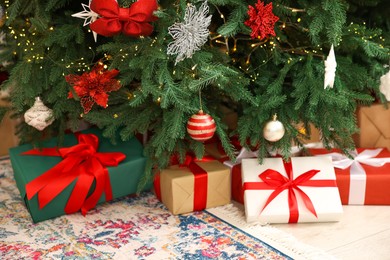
319,188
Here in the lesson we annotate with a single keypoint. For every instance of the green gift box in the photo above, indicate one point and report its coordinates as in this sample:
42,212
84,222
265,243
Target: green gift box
124,177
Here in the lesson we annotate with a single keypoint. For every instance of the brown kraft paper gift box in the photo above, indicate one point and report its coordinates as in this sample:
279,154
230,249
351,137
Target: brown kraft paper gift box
7,130
177,186
374,124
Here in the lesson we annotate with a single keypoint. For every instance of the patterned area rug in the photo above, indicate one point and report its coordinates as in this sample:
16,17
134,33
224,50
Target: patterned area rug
130,228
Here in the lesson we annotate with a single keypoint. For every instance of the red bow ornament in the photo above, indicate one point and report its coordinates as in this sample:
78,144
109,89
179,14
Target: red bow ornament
82,163
133,21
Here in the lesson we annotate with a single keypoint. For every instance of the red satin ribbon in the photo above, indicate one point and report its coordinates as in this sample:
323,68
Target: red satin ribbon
273,180
200,180
157,186
133,21
81,162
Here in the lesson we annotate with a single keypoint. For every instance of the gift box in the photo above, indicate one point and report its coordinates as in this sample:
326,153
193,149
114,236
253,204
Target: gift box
302,190
7,128
237,192
236,173
314,137
216,150
52,186
363,179
373,122
193,186
229,116
7,134
214,147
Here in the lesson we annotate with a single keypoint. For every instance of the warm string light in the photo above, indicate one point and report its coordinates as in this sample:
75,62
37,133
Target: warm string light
81,66
25,42
129,95
221,40
297,51
272,45
292,9
225,39
361,32
235,46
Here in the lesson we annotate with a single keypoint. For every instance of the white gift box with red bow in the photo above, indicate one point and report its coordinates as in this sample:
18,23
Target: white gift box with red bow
302,190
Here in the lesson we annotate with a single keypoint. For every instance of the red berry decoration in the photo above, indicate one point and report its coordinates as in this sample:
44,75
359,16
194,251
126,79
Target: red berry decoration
201,126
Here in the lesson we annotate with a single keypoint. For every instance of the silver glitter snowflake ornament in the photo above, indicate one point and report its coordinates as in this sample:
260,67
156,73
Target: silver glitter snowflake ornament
190,35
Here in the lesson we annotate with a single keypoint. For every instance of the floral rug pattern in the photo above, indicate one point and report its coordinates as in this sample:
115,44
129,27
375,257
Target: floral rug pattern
127,228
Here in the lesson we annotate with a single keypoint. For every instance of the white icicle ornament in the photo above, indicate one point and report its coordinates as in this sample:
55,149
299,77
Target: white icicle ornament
39,116
384,87
330,69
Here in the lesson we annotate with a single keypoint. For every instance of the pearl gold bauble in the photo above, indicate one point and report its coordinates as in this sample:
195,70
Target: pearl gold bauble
201,126
273,130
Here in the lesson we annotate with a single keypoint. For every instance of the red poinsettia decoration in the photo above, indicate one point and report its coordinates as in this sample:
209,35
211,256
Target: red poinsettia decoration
92,87
261,20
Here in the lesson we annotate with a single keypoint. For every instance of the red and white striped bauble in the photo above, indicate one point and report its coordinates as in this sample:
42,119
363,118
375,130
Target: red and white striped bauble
201,126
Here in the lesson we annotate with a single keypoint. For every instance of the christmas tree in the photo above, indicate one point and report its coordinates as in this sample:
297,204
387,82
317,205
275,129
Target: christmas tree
146,67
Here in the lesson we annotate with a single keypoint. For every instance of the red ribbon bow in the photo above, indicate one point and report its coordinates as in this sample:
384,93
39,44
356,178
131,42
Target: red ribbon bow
277,182
81,162
133,21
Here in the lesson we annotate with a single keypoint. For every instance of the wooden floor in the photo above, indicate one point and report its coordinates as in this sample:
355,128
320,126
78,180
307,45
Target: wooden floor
362,233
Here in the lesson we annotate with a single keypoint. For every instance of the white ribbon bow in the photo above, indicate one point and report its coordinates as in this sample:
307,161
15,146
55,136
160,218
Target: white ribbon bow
357,188
341,161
